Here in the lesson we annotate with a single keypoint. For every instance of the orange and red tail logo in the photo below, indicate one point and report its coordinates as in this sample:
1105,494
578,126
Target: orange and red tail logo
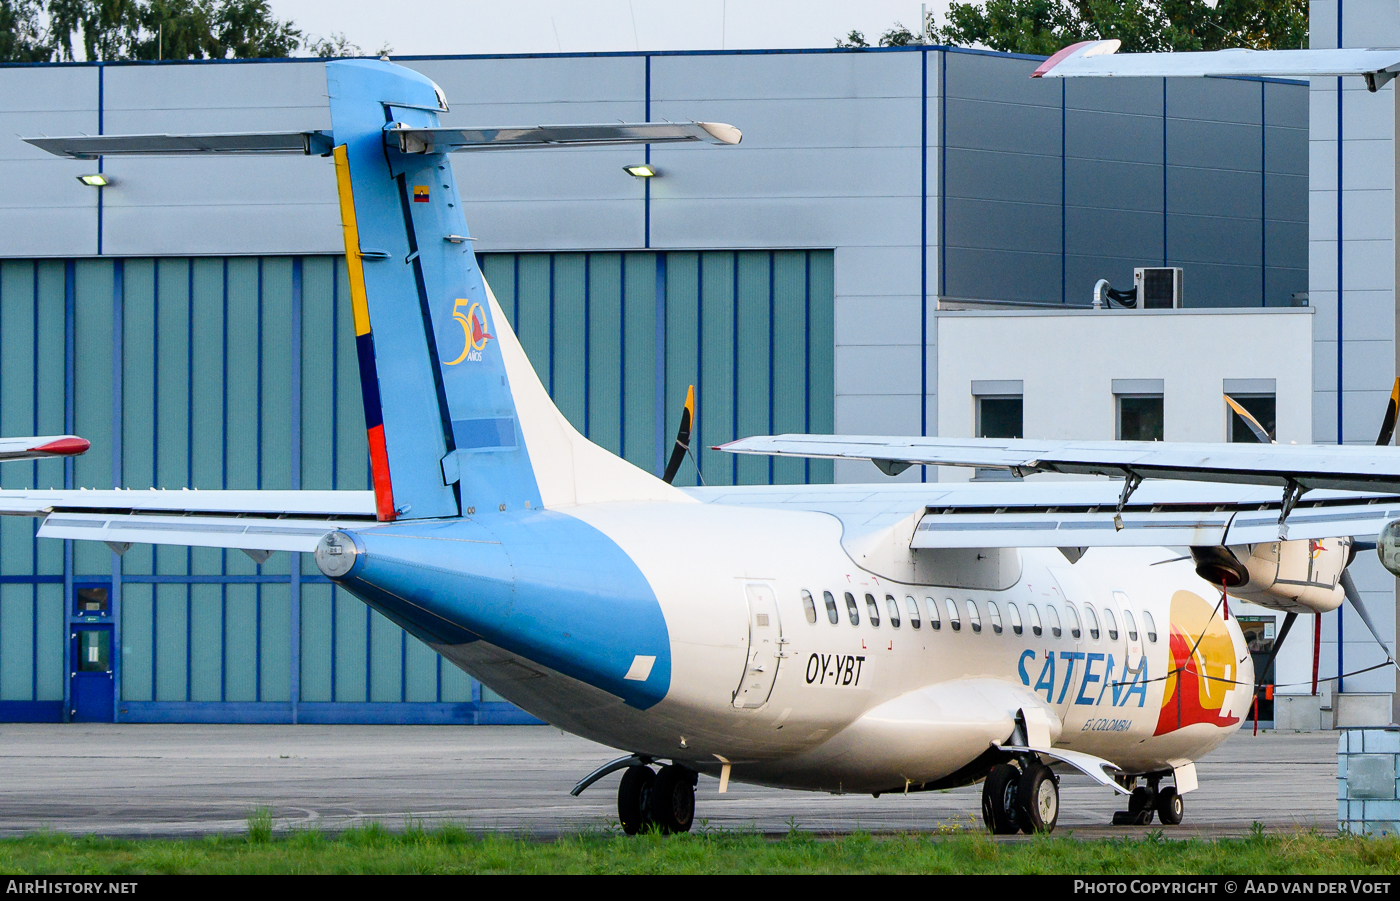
1202,671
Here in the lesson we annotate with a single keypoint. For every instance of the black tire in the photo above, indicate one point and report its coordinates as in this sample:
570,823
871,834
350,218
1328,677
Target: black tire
634,798
1037,800
1140,802
673,800
999,799
1170,808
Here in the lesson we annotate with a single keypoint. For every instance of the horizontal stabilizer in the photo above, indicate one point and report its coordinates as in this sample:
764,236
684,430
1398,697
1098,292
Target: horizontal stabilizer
90,147
1100,59
405,139
449,140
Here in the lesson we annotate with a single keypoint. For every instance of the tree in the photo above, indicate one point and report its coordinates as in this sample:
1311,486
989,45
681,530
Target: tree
22,35
339,45
163,29
1042,27
897,36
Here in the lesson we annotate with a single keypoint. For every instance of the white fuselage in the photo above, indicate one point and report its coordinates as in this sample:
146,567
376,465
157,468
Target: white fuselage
870,706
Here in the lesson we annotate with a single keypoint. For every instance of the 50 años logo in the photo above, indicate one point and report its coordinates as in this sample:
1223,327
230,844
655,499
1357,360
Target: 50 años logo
473,323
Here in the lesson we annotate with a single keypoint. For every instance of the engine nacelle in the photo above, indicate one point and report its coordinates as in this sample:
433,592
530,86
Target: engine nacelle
1388,547
1296,576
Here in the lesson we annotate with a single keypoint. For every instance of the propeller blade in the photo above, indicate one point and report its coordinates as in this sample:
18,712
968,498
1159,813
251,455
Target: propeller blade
1250,421
678,452
1388,424
1288,620
1354,596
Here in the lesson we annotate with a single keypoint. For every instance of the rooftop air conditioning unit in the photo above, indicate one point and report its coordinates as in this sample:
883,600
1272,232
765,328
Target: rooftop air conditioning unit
1158,288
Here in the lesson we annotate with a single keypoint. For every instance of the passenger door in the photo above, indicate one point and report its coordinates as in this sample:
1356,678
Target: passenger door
765,647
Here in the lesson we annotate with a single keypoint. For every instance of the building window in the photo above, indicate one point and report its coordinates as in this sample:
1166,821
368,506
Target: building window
1000,417
1140,417
998,406
1263,407
1138,409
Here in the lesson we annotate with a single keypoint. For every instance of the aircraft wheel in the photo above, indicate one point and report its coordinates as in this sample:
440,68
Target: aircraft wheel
1140,805
634,798
998,799
1170,808
1037,800
673,799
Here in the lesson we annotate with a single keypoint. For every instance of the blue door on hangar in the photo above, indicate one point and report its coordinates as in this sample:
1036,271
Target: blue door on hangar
92,688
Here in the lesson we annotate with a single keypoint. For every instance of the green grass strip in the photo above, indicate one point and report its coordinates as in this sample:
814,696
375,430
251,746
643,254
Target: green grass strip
451,849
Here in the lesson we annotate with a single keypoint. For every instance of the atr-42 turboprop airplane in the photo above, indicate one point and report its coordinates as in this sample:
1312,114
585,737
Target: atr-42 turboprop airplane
839,638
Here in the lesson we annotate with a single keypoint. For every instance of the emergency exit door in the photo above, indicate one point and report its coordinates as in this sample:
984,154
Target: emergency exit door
92,694
765,647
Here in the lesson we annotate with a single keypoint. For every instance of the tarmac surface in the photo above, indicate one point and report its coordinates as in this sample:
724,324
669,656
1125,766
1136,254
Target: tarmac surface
181,780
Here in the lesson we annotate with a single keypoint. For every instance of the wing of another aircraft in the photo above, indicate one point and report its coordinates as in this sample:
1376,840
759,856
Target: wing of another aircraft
1309,466
1100,59
42,447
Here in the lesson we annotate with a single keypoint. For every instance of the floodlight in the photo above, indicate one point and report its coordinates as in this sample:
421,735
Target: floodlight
640,171
95,180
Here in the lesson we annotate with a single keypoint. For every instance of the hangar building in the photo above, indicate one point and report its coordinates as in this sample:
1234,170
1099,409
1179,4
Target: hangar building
190,320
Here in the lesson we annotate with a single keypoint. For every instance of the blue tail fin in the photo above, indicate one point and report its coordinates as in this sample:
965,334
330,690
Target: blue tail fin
458,421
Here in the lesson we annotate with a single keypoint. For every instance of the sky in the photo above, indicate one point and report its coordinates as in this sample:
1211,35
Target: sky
412,27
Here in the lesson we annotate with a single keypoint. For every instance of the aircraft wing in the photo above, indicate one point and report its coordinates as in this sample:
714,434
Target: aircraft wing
1201,494
246,520
1343,467
1100,59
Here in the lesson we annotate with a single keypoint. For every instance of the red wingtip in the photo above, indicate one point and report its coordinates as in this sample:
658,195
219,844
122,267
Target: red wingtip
64,447
1058,58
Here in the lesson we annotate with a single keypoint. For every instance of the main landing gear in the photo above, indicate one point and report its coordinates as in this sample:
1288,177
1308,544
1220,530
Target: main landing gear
1149,799
663,800
1021,797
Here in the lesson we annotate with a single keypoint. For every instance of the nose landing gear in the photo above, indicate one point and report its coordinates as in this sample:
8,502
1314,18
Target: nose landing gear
1021,797
664,800
1147,800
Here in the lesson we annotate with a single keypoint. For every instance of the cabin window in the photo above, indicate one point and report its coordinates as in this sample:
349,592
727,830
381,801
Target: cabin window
994,616
1091,620
1015,616
1110,624
892,608
1052,616
911,607
852,610
873,609
974,618
1149,627
1034,617
952,607
809,606
1072,618
832,613
931,607
1130,624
